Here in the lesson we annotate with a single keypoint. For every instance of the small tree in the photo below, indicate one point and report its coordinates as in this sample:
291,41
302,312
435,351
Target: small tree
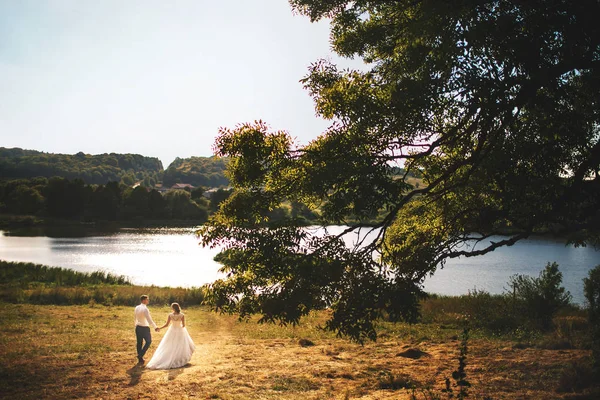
541,297
179,205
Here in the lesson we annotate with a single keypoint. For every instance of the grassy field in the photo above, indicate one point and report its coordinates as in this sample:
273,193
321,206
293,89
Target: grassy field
56,352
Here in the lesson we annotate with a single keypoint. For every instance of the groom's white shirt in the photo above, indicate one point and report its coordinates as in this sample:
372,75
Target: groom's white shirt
142,316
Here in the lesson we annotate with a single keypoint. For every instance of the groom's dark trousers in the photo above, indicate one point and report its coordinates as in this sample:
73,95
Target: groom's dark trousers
143,334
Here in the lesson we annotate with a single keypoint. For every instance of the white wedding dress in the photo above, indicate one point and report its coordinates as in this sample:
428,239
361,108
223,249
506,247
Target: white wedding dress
176,347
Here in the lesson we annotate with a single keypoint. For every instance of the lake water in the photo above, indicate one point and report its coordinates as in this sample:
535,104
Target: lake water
172,257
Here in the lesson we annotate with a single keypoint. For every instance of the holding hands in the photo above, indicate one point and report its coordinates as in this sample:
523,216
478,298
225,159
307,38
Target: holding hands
156,329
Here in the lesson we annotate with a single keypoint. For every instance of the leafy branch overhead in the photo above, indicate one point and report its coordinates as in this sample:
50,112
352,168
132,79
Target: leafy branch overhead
494,103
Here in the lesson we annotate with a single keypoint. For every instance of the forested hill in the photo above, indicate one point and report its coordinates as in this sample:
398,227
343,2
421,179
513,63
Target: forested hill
197,171
98,169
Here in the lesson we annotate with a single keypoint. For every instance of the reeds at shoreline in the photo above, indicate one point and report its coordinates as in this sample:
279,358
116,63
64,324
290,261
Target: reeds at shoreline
40,284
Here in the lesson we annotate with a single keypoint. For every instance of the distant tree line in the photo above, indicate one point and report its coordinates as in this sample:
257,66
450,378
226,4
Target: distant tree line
93,169
128,169
73,199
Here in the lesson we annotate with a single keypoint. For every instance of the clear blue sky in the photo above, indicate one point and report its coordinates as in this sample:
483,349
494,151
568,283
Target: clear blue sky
152,77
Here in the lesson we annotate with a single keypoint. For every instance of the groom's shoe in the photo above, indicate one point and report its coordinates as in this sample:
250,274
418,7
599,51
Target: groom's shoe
141,361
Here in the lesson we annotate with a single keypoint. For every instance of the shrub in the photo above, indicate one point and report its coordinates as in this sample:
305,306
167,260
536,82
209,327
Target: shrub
460,376
591,290
540,298
575,377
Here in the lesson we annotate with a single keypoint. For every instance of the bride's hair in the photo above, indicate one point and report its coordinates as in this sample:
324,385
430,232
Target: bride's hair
176,308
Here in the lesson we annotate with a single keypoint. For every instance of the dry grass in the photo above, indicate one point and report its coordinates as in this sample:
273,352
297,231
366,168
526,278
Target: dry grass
89,352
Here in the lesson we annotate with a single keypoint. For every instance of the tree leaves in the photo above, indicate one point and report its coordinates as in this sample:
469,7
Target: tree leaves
494,103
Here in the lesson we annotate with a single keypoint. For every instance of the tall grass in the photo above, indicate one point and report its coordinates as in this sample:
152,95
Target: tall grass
101,294
531,305
485,311
27,273
39,284
495,313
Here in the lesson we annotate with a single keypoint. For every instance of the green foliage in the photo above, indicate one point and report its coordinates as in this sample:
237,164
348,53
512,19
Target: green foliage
179,205
62,198
490,313
531,306
197,193
24,200
105,202
218,197
39,284
110,295
540,298
493,104
591,290
27,273
99,169
197,171
460,375
157,204
295,271
302,212
136,202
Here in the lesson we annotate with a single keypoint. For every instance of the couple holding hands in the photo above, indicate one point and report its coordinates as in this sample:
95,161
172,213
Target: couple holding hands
176,347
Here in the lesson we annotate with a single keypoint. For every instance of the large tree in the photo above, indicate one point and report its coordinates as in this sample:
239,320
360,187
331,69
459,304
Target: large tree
495,103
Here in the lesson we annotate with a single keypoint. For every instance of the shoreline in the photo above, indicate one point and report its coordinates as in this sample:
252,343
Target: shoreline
21,225
11,222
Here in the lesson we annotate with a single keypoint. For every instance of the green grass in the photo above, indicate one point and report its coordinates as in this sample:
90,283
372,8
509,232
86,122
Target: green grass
108,295
38,284
27,273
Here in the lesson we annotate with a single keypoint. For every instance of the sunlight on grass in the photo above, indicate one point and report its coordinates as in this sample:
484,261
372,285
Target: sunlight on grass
83,351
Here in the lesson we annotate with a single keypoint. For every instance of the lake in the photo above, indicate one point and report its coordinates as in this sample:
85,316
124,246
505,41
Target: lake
172,257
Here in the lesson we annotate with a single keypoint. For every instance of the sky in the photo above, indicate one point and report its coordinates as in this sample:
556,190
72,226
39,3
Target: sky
153,77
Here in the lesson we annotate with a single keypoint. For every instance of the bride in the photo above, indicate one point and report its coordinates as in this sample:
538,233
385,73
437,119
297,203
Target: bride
176,347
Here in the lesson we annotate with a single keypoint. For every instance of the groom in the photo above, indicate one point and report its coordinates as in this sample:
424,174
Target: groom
143,320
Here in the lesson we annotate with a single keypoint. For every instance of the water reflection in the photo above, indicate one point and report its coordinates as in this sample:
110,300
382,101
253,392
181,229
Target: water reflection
173,257
167,258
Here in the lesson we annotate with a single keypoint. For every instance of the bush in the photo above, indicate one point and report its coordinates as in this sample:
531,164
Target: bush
591,290
530,306
575,378
540,298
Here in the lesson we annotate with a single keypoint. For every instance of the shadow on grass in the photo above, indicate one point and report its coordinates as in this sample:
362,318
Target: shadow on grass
135,374
174,373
